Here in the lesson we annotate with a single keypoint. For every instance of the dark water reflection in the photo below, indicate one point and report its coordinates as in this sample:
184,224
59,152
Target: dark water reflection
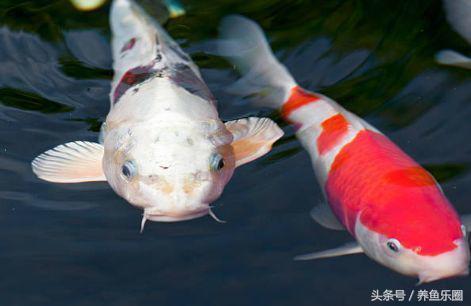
80,244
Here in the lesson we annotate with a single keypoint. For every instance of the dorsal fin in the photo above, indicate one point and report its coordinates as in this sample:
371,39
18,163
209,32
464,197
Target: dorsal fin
323,215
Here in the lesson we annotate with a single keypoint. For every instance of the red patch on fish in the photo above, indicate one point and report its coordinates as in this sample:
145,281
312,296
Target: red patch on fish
397,198
129,45
333,130
131,78
298,98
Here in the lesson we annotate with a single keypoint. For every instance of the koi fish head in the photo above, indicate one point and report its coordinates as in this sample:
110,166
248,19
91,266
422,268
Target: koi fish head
175,171
430,247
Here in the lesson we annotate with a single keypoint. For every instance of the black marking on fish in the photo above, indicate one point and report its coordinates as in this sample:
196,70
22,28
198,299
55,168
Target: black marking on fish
134,77
176,49
182,75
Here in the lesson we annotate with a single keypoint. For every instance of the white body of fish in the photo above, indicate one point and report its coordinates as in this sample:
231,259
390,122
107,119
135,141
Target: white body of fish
164,148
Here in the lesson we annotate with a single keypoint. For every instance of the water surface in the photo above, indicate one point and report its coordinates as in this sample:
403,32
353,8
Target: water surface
80,244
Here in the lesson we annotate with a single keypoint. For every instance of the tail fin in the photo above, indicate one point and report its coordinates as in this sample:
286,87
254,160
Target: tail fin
245,46
453,58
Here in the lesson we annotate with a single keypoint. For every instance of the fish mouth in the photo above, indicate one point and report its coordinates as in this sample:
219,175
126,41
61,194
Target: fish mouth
451,264
428,278
175,216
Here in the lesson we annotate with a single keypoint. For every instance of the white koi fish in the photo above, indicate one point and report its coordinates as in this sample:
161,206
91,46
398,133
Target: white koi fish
164,148
394,208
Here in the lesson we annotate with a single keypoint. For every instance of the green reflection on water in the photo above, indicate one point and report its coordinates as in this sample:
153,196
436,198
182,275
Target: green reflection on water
30,101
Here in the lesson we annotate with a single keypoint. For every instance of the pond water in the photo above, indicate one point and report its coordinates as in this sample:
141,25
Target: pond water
80,244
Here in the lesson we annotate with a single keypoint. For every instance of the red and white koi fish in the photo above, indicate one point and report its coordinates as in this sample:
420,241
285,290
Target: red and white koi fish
394,208
164,148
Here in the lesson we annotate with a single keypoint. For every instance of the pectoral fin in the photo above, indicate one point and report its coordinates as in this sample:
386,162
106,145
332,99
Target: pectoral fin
466,221
73,162
323,215
453,58
253,137
346,249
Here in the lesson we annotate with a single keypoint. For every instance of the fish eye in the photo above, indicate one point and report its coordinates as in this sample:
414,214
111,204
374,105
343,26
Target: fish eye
216,162
394,245
128,169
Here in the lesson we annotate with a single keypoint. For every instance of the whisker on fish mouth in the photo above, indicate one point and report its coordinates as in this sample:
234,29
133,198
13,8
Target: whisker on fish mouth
211,213
143,223
176,216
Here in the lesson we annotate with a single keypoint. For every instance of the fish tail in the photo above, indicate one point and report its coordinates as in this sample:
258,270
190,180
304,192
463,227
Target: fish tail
264,78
